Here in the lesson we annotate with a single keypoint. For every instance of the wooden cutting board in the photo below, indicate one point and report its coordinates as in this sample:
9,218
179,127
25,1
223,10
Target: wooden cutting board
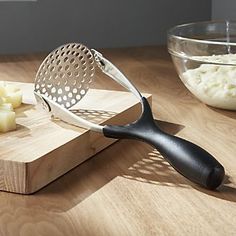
41,149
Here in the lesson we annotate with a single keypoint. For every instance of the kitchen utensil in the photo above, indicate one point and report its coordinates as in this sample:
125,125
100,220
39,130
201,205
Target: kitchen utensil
63,79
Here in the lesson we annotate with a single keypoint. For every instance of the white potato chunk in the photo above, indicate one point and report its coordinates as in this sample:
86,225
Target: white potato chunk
15,98
10,94
10,98
7,120
2,91
2,100
6,107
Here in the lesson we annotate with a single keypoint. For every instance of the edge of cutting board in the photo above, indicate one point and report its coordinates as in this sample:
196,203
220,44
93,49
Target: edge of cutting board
28,176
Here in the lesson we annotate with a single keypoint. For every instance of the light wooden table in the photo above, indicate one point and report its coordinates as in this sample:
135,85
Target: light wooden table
128,189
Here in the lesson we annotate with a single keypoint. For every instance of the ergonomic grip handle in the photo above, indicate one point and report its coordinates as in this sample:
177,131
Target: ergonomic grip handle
190,160
187,158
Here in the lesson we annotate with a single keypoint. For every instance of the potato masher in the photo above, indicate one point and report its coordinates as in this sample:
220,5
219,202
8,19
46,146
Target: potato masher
63,79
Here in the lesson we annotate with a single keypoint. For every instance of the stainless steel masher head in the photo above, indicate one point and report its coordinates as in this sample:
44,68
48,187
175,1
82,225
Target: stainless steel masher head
65,74
64,78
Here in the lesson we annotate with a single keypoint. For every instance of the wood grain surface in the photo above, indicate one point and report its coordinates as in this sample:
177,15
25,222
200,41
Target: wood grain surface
128,189
42,149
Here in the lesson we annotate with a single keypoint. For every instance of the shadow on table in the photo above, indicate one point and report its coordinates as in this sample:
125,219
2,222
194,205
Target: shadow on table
224,192
85,180
155,170
227,113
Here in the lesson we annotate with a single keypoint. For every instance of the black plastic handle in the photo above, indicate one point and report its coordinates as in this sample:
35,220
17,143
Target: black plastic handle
190,160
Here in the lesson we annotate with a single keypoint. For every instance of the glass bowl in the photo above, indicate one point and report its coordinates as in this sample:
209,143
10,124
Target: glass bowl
204,54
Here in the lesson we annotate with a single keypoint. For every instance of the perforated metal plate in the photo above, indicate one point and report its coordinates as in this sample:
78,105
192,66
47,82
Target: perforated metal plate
65,74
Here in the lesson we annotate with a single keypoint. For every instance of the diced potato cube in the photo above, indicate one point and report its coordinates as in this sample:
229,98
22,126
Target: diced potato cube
6,107
10,98
15,98
10,94
7,121
2,100
2,91
11,88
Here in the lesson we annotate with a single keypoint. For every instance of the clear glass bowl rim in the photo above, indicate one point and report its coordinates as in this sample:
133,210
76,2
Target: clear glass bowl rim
171,31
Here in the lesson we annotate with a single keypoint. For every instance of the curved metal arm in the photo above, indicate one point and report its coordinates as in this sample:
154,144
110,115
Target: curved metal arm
65,115
112,71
